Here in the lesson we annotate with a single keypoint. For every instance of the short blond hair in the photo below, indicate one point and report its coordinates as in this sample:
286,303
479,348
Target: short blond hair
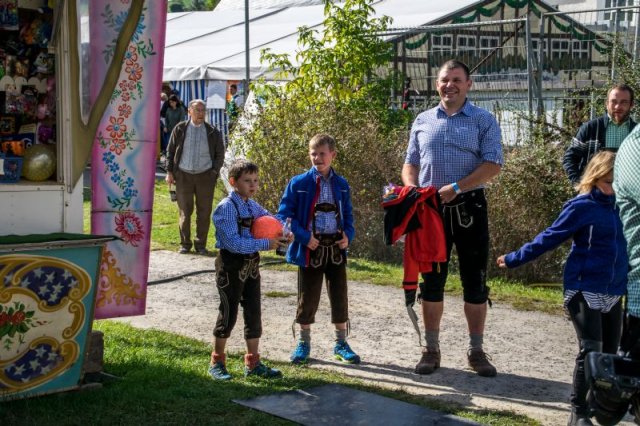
322,139
599,166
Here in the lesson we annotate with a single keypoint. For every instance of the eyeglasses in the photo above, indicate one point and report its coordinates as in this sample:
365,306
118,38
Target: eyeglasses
198,109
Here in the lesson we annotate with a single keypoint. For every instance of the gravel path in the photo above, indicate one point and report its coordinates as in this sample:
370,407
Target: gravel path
532,351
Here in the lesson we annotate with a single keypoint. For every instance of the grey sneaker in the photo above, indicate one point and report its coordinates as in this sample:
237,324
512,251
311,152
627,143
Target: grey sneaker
429,362
479,362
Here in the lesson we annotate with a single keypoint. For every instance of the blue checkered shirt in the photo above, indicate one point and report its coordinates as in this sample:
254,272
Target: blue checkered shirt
225,219
325,221
447,149
626,183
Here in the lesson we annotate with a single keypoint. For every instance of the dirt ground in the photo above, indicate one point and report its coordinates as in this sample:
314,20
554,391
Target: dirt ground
532,351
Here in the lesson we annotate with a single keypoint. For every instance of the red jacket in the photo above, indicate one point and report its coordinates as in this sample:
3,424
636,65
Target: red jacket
415,213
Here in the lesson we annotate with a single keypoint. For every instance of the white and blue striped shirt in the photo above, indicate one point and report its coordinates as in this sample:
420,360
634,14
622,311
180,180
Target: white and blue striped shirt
447,149
326,222
225,219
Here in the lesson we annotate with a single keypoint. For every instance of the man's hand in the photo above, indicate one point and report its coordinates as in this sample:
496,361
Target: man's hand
447,193
344,242
410,297
313,243
169,178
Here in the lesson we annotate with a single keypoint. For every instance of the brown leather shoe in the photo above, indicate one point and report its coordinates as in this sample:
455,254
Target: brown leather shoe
479,362
429,362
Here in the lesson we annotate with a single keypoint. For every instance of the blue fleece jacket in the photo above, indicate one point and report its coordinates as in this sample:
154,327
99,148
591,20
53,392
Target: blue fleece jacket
598,260
298,201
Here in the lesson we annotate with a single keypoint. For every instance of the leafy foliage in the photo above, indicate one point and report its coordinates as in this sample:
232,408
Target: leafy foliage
334,88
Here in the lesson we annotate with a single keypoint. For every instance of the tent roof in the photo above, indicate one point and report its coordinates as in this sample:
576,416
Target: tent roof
211,45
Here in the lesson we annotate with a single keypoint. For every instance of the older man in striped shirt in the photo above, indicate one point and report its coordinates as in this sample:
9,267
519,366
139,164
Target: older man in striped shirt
456,147
194,157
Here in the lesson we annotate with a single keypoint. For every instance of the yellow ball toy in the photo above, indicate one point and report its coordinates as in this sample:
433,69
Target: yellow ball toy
39,162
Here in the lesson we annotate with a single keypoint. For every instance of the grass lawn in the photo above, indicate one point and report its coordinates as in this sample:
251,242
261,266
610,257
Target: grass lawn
163,380
163,377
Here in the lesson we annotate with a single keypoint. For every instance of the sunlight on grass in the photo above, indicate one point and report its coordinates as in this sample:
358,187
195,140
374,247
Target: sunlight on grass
162,379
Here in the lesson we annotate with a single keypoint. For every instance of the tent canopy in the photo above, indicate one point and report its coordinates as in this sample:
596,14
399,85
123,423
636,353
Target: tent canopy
211,45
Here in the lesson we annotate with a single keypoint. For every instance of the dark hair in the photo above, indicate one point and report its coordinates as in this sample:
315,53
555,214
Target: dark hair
240,167
174,98
623,87
234,86
453,64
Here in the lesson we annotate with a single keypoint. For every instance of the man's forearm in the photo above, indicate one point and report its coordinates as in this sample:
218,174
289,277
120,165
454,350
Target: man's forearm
410,173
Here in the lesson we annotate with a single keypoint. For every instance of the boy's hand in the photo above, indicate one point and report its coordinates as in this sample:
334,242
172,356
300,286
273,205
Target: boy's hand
500,261
313,243
344,242
274,243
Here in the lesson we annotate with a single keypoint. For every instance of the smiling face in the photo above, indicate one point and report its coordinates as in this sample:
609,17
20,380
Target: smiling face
619,105
321,157
453,85
246,185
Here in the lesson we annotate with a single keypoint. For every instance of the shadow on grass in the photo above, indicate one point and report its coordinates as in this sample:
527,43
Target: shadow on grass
163,380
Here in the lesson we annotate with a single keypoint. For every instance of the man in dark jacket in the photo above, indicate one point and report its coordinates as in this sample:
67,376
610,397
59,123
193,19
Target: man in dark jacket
194,157
606,132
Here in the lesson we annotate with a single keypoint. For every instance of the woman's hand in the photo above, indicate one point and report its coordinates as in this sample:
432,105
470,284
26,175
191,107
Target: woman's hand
500,262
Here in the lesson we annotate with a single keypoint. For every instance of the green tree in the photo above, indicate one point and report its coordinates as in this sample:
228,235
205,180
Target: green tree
338,86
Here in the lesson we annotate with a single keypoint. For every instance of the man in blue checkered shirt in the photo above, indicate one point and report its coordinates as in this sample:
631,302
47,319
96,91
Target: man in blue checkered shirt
456,148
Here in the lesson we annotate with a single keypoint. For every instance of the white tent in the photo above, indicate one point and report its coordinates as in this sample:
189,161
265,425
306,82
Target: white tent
204,50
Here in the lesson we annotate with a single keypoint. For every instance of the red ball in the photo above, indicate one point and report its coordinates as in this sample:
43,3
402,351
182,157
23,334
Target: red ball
266,227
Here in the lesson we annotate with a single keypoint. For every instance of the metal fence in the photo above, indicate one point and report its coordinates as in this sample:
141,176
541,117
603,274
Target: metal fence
538,62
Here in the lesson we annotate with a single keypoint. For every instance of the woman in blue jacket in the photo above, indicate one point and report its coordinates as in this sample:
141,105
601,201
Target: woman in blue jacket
595,274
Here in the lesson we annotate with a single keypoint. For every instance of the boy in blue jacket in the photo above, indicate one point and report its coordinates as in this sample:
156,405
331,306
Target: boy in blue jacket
595,274
319,205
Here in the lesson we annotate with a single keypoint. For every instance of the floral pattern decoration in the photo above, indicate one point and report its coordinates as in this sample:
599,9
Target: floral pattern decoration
115,139
129,227
15,322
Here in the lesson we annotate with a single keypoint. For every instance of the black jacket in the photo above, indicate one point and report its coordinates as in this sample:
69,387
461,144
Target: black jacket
591,138
176,143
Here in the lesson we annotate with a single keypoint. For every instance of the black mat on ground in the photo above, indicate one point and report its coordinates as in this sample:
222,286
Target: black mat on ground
335,404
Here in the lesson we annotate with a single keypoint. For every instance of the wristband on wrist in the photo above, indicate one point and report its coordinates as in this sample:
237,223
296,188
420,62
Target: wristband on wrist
456,188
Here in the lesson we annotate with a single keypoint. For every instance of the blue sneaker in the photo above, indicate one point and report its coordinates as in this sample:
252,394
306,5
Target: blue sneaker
218,371
300,354
263,371
343,352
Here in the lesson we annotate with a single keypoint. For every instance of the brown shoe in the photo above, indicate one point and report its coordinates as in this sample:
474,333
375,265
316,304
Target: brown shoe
429,362
479,362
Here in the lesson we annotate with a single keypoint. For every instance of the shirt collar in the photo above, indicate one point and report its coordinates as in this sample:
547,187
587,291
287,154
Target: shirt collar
466,108
192,124
317,173
625,122
236,197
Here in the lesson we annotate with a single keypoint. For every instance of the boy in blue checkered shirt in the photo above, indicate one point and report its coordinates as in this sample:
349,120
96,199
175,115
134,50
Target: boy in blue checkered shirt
237,271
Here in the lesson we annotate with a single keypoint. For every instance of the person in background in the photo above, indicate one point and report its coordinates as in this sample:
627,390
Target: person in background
195,155
603,133
595,274
175,113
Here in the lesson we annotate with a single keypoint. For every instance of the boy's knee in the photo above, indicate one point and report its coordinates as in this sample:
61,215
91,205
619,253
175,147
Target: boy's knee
433,291
476,295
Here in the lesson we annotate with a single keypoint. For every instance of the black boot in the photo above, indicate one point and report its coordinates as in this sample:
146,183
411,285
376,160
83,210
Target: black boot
580,412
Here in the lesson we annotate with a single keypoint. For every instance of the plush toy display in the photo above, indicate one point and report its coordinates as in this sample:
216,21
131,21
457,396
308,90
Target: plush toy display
266,227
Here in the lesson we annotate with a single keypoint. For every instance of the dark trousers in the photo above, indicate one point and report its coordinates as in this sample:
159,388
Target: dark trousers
597,332
328,262
199,187
466,225
238,283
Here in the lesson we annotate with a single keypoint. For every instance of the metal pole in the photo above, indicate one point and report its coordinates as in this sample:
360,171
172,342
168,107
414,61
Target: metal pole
636,40
246,47
541,64
530,76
